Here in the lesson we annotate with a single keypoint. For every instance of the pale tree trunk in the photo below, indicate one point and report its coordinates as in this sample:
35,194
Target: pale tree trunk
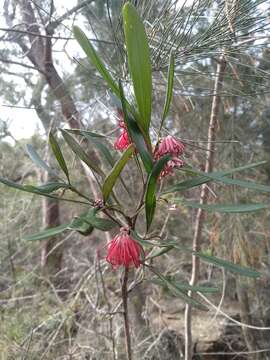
52,251
39,53
246,318
197,238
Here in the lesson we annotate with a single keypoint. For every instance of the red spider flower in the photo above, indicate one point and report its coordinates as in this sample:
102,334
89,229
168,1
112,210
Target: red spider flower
169,145
122,142
123,250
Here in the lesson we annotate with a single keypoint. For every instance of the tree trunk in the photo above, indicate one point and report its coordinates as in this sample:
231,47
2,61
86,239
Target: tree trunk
52,251
245,314
39,53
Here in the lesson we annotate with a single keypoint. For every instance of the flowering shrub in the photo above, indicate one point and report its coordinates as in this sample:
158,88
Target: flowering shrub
153,160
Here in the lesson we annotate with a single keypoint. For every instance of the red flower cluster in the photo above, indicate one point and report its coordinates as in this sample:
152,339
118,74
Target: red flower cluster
123,250
170,145
123,141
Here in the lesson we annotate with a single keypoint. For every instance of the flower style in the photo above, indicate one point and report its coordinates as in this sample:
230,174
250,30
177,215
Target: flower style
170,145
123,250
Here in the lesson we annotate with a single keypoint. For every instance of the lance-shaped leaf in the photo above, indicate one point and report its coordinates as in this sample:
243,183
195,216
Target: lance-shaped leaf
58,154
83,132
169,91
45,234
225,208
34,156
43,190
227,265
158,252
29,188
115,172
84,224
139,64
94,58
135,134
150,195
100,147
98,63
105,153
84,228
78,150
229,181
218,176
48,187
99,223
177,291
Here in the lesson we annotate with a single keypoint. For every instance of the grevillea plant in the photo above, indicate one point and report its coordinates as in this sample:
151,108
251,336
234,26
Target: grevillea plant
157,160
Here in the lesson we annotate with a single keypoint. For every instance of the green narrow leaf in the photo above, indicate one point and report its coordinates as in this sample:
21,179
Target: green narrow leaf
106,154
115,172
150,195
103,224
227,208
35,190
237,269
38,161
169,91
101,147
94,58
83,132
199,180
78,150
27,188
47,188
228,265
79,224
159,252
229,181
135,134
58,154
139,63
178,292
45,234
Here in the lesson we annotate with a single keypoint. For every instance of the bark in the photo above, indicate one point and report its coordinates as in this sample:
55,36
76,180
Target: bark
52,251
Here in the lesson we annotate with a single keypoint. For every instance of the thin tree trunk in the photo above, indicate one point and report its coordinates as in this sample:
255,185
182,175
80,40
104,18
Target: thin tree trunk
52,253
196,245
40,55
245,314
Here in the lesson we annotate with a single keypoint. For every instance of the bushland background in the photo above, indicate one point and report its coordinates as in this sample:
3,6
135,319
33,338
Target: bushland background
58,300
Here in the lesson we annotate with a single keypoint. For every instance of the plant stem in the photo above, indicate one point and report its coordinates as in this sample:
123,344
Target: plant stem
125,314
196,245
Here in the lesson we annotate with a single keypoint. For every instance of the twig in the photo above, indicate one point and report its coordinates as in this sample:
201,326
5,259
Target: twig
109,309
203,198
125,314
45,36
